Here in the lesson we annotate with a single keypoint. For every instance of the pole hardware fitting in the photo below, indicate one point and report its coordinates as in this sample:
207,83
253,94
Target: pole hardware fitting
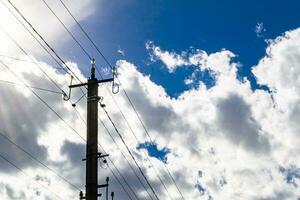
103,156
67,97
100,101
112,195
81,195
93,98
104,185
99,155
74,104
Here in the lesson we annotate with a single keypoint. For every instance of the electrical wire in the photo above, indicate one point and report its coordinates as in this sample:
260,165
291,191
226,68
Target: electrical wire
124,179
120,183
78,43
64,122
33,87
33,61
42,100
36,39
23,50
75,109
70,33
46,105
78,114
14,58
41,37
22,60
123,155
87,54
14,165
138,141
45,41
37,160
130,153
82,29
125,92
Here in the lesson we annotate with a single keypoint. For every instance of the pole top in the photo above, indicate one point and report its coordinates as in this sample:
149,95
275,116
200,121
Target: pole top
93,62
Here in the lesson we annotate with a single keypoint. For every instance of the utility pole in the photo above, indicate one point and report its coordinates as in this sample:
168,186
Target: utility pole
92,153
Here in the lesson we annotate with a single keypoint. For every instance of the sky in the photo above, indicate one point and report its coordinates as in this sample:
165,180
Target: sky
214,86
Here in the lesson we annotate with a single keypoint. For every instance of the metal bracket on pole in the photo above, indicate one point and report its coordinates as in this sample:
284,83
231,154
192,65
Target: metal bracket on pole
99,155
105,186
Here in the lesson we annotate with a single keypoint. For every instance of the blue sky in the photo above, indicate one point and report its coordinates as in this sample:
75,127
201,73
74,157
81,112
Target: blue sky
178,25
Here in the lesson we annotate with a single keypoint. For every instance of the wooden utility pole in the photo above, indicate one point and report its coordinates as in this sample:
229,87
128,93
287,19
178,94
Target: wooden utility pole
92,154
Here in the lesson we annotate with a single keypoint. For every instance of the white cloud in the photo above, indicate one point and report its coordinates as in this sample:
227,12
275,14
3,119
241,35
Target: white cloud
218,63
170,59
237,137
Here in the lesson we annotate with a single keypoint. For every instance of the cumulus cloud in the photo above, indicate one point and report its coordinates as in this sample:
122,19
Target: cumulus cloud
225,142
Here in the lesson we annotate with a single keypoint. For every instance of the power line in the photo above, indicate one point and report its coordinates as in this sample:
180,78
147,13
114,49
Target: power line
136,138
48,44
76,111
45,42
47,51
14,165
33,87
14,58
33,61
70,33
38,161
125,92
99,72
130,153
123,155
78,43
82,29
124,179
23,50
22,60
44,102
119,180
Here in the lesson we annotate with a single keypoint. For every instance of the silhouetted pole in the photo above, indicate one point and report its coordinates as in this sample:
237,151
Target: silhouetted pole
92,138
92,154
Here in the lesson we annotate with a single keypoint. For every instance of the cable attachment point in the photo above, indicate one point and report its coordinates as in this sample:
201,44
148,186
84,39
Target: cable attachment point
115,86
101,102
81,195
112,195
65,96
74,104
